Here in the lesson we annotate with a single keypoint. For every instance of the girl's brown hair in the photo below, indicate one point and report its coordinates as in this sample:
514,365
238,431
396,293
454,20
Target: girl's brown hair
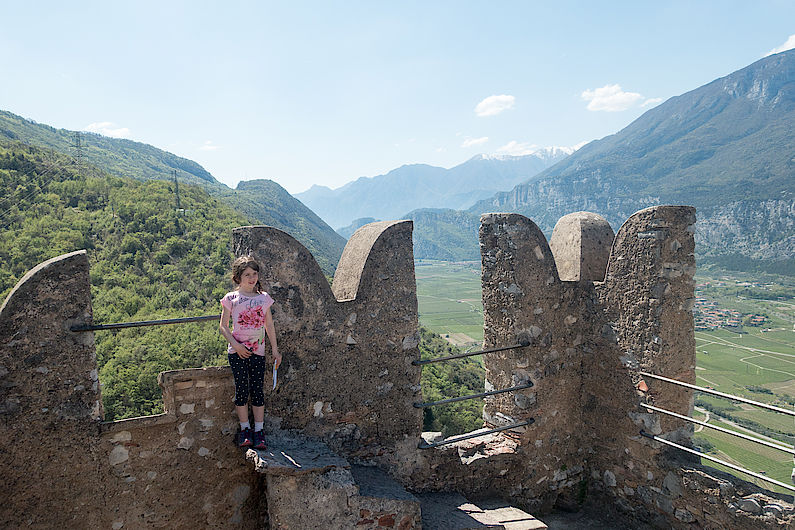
242,263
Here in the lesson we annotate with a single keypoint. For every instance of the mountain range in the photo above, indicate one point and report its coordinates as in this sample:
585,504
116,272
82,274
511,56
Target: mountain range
414,186
262,201
727,148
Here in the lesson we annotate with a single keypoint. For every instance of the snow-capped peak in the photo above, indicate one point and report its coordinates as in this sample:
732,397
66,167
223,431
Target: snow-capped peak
513,150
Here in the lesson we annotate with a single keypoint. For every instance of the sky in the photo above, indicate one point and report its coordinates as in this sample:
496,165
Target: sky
321,92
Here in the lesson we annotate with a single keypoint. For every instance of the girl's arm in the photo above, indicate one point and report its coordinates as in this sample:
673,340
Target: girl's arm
271,330
223,327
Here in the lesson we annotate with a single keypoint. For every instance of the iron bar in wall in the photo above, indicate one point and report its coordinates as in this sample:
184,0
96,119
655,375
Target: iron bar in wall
476,434
472,396
121,325
470,354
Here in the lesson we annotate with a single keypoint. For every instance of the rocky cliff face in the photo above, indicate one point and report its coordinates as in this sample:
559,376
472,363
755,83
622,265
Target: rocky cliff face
757,229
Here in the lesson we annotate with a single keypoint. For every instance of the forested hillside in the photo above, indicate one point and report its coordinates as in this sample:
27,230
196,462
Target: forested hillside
262,201
147,261
119,157
459,377
448,235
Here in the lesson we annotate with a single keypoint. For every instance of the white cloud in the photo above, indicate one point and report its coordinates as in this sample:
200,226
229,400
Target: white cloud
470,142
784,47
610,98
209,146
108,128
651,102
515,148
493,105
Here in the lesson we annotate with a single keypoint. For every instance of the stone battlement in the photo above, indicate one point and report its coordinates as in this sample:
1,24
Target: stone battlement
595,310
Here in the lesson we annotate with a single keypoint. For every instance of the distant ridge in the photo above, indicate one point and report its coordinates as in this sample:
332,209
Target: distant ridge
415,186
118,156
347,231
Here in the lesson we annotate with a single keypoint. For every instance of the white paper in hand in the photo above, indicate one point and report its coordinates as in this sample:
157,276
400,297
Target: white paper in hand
274,378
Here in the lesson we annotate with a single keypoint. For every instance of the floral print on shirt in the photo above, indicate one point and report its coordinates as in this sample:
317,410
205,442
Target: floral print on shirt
248,319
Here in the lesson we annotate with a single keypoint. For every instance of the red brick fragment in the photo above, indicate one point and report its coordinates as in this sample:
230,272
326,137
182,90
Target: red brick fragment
387,521
407,523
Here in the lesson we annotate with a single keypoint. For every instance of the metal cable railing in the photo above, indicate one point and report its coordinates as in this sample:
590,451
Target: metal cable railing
522,344
784,448
721,394
719,461
121,325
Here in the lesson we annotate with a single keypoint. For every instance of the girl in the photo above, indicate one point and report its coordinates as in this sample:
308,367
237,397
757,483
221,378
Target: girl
249,308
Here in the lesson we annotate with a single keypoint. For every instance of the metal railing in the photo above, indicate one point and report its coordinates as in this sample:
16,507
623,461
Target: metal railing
522,344
720,394
477,434
777,446
718,460
472,396
784,448
122,325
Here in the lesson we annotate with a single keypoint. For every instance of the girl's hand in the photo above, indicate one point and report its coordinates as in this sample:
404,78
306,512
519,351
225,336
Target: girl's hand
277,359
242,351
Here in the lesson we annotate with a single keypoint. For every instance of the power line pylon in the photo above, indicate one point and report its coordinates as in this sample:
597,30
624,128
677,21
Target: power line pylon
79,152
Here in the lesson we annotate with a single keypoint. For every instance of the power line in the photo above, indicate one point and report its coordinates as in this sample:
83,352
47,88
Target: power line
40,189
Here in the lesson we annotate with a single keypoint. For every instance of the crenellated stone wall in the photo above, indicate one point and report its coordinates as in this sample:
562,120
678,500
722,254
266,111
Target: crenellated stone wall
49,400
347,372
593,310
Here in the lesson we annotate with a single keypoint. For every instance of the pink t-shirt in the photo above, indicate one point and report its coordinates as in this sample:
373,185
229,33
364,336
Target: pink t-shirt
248,319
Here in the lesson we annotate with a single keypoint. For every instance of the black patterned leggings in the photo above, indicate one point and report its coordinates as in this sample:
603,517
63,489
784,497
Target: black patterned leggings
248,373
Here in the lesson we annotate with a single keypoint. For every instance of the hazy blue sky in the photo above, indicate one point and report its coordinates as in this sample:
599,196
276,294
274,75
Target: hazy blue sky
325,92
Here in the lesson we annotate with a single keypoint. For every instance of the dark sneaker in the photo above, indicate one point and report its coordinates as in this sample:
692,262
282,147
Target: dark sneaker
259,440
245,439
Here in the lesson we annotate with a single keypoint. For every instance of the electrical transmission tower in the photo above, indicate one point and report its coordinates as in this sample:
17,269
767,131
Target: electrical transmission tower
179,210
176,190
77,145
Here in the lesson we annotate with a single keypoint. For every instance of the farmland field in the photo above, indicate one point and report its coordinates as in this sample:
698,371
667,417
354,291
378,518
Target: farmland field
449,300
755,359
